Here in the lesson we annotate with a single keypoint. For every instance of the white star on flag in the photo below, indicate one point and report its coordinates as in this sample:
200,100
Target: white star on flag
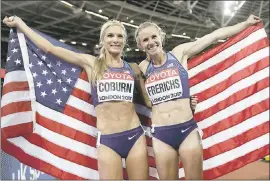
49,81
58,63
54,91
39,84
64,72
12,40
49,65
43,57
30,65
18,61
54,73
59,80
14,50
44,72
73,69
8,58
40,63
68,80
43,94
58,101
35,54
35,74
64,89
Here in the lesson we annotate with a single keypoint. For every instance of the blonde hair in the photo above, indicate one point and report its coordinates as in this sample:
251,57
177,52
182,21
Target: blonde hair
145,25
100,64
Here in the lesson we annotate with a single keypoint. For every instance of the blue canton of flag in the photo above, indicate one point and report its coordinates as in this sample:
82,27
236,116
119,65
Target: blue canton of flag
14,56
53,78
46,111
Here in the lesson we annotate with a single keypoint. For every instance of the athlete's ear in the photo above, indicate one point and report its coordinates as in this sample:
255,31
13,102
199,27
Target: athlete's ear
140,47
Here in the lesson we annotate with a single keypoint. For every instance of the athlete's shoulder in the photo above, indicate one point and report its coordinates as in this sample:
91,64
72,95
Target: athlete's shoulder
143,65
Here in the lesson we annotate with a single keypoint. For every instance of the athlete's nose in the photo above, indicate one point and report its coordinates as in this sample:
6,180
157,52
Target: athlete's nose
151,43
115,39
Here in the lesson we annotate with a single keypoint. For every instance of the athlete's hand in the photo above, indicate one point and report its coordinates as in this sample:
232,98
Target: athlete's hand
12,21
253,20
193,102
135,68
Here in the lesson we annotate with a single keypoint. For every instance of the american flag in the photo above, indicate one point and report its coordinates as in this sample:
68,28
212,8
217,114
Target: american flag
232,84
47,120
51,127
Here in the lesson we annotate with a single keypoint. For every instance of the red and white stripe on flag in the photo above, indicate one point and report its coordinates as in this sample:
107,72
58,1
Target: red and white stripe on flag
16,111
62,145
232,85
230,80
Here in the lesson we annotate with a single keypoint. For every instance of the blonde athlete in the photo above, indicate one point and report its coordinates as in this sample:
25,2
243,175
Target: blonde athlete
121,135
174,130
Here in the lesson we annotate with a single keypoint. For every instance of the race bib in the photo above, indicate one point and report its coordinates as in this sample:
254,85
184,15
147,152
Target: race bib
115,86
164,85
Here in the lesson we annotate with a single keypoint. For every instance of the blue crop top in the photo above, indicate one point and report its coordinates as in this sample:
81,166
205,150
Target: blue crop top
117,84
167,82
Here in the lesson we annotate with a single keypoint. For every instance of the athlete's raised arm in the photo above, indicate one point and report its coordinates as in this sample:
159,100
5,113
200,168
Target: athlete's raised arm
79,59
192,48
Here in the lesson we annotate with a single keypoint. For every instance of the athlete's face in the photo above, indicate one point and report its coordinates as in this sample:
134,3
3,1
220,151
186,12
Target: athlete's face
150,40
114,39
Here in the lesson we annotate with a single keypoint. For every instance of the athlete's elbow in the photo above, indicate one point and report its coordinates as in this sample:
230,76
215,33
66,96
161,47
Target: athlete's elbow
48,49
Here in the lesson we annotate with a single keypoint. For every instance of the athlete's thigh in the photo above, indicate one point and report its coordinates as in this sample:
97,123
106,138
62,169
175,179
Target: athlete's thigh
109,163
191,155
137,160
167,161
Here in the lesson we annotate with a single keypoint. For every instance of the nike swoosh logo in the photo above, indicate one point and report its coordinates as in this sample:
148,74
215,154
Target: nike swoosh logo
184,130
129,138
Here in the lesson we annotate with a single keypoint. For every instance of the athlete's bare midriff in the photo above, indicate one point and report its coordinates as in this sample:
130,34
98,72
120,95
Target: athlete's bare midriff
114,117
174,111
171,112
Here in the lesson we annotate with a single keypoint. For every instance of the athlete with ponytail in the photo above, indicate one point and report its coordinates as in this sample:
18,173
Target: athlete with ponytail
112,83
